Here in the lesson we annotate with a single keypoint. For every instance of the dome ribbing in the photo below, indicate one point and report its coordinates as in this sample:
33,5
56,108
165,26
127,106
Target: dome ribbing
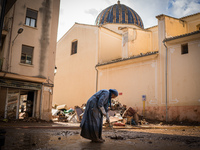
119,13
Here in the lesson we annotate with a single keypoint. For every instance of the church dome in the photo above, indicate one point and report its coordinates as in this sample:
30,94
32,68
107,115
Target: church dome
119,13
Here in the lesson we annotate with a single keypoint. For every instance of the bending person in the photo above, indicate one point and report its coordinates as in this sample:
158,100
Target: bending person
96,107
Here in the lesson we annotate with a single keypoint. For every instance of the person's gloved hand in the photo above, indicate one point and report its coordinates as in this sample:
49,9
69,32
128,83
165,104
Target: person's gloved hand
103,111
107,118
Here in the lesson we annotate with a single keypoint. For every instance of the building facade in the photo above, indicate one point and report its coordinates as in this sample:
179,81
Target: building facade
27,59
156,70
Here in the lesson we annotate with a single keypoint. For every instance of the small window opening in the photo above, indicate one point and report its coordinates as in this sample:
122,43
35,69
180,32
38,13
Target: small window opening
74,47
184,49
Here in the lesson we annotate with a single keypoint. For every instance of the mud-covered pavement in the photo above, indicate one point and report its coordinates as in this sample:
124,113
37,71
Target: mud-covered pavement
138,139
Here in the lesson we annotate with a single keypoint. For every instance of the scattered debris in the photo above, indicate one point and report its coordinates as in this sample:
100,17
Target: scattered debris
143,122
61,107
131,115
78,112
68,133
117,137
55,112
118,113
33,144
119,124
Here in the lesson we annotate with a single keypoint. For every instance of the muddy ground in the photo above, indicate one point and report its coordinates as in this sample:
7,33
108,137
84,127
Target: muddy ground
184,138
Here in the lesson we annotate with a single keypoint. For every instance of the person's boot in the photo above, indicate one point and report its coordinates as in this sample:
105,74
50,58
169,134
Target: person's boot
98,141
102,139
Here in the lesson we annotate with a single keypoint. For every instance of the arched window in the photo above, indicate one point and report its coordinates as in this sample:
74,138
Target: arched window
74,47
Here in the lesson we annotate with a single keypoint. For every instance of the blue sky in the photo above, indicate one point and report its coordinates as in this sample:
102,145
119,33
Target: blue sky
86,11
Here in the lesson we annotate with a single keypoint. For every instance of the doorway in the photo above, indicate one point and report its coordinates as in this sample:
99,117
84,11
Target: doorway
26,104
12,103
20,103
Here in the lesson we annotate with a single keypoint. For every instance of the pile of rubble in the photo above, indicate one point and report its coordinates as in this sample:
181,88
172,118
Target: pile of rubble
62,114
119,114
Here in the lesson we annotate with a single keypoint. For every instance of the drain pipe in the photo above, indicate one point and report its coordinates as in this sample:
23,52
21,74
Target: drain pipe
166,81
96,78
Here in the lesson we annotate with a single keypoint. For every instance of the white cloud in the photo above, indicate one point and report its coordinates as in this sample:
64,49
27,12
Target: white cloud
81,11
93,12
181,8
148,9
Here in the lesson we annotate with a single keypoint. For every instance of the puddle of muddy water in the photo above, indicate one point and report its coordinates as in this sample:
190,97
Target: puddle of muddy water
40,139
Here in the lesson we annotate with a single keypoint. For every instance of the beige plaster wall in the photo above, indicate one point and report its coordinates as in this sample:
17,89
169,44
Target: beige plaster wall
51,59
140,41
75,80
184,82
43,38
37,104
46,103
116,27
132,79
162,62
110,45
50,55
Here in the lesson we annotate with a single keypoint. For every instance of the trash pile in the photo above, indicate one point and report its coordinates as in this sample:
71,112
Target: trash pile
60,113
119,114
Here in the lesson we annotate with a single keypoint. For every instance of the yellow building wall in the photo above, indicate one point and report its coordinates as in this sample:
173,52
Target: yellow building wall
154,37
174,27
110,45
75,80
192,22
140,41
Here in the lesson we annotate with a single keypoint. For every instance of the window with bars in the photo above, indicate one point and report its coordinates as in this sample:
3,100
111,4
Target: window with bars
27,54
74,47
31,17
